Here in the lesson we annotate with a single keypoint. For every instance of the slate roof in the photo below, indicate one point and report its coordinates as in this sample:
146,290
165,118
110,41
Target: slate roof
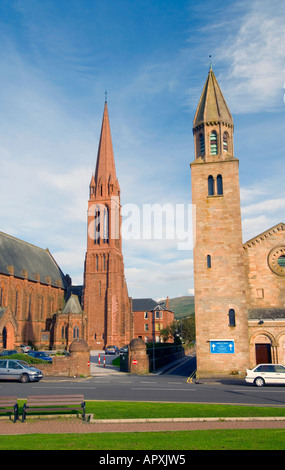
266,314
212,105
24,256
145,305
72,305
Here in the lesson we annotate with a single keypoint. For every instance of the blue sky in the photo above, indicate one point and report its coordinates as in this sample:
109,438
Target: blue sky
57,58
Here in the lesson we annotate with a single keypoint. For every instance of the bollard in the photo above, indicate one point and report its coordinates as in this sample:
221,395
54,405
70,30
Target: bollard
99,359
104,361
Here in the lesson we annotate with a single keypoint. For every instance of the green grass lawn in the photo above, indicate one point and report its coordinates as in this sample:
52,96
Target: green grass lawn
246,439
267,439
132,410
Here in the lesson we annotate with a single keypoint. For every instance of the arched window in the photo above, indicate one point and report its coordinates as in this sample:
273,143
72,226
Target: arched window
210,186
104,262
106,226
202,144
76,332
209,261
97,227
213,143
232,317
96,262
64,332
225,141
219,184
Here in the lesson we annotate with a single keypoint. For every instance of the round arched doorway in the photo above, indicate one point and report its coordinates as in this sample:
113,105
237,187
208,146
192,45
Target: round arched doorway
8,337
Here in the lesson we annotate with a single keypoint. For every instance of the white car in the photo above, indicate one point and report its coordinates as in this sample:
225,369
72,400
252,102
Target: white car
266,374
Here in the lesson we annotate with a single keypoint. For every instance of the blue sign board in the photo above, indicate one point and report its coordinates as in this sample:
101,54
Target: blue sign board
222,346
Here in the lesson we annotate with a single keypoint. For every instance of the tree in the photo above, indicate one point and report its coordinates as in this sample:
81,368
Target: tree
187,329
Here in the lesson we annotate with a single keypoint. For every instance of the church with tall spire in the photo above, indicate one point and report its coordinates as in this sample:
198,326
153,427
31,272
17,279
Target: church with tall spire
105,295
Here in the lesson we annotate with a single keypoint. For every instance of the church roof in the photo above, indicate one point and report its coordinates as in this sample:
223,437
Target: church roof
212,106
72,305
266,314
276,228
26,261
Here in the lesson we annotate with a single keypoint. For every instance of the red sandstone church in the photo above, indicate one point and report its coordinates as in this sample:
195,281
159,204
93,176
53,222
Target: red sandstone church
39,306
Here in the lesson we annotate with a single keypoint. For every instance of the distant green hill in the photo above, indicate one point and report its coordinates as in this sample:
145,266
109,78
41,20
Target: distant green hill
182,306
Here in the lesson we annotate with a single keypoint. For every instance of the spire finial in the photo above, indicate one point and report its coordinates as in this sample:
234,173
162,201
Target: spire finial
106,96
211,63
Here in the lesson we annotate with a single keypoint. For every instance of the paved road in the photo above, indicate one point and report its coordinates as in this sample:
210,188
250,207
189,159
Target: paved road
174,386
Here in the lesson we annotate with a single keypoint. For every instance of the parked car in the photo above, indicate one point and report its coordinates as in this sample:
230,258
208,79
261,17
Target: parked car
112,350
25,349
12,369
40,355
264,374
124,350
8,352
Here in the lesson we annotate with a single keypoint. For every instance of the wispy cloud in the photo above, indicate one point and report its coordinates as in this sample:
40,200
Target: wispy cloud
255,57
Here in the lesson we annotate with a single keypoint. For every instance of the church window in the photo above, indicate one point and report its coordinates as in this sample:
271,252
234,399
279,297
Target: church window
281,261
209,261
97,227
225,141
16,302
202,144
210,186
106,226
213,143
76,332
64,330
232,317
104,262
96,262
219,184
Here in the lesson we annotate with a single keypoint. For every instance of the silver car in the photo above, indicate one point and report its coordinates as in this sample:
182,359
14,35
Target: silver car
12,369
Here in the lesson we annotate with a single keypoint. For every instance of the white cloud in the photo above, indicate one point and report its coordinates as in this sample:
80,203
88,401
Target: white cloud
255,57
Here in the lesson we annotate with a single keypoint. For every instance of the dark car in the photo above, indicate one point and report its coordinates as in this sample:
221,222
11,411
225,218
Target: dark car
11,369
112,350
8,352
124,349
40,355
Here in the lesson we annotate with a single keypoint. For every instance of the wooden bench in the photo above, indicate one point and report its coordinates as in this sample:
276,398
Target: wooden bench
39,403
9,406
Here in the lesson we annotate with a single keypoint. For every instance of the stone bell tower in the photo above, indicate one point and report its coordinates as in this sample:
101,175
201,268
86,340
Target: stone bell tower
105,294
219,273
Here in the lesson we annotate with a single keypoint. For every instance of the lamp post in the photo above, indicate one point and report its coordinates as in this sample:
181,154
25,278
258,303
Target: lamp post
153,340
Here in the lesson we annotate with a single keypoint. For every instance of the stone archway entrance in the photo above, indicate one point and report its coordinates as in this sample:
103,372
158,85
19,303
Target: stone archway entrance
8,337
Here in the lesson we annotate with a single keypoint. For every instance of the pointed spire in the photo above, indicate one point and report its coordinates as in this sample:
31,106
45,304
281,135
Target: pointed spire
212,106
105,166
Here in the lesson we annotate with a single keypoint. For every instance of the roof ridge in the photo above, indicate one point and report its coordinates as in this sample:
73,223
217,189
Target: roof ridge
250,242
23,241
